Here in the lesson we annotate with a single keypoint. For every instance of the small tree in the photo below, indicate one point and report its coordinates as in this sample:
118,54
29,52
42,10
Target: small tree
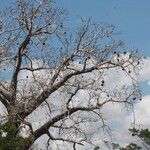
40,57
143,135
131,146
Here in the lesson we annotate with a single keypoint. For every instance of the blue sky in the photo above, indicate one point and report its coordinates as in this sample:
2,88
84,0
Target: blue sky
131,17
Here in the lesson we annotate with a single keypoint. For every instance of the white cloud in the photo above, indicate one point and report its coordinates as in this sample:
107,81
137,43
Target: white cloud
3,113
145,71
142,111
122,120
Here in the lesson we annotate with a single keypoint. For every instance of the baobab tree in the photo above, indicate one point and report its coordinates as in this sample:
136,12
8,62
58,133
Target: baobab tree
43,63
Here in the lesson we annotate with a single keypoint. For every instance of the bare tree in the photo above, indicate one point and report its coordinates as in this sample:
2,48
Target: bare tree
41,57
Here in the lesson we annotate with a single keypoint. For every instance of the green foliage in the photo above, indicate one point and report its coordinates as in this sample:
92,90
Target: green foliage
11,141
143,134
96,148
9,128
115,146
131,146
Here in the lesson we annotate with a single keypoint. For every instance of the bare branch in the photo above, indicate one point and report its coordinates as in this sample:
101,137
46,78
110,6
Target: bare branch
44,128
